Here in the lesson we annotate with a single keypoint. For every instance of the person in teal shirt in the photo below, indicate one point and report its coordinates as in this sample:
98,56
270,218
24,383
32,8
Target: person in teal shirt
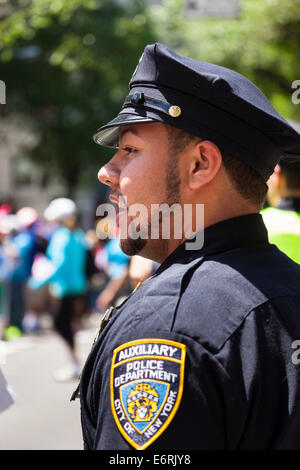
282,219
67,279
67,251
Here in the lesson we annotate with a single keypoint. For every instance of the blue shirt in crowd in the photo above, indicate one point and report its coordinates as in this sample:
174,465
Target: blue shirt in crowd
67,251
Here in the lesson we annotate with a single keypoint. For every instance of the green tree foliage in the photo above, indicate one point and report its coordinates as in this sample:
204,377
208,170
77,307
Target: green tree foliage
66,64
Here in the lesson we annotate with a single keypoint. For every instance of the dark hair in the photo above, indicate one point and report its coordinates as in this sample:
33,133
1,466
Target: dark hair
247,182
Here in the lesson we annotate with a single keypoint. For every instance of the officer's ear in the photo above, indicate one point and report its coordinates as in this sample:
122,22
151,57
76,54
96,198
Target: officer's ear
205,162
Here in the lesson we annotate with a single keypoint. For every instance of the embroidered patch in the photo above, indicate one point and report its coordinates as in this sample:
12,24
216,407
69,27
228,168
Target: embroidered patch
146,388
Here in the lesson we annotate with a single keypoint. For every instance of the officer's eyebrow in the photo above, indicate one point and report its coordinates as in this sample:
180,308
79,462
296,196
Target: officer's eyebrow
133,130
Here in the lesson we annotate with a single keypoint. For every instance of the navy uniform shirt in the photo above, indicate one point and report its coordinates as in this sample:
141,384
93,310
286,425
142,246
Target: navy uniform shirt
204,354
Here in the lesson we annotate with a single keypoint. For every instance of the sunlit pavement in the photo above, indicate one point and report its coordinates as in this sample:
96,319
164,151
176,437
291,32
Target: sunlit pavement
42,418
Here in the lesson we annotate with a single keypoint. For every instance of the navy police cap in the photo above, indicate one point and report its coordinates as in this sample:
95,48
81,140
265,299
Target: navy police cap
208,101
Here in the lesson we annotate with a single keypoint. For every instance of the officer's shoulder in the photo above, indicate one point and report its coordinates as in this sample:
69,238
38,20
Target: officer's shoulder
225,289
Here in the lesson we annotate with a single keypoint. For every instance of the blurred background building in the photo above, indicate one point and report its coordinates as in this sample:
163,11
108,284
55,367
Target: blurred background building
21,179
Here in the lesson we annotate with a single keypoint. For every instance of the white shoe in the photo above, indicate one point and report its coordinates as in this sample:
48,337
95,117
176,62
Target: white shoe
67,374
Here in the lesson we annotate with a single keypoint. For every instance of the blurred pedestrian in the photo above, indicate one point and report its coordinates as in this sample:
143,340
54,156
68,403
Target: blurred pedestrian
29,224
19,248
97,278
66,276
5,209
8,228
141,268
282,219
114,262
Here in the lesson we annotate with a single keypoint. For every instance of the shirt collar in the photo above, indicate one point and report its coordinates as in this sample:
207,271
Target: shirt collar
228,234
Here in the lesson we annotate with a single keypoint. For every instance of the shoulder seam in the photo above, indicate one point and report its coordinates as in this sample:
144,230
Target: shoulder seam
202,346
218,348
252,311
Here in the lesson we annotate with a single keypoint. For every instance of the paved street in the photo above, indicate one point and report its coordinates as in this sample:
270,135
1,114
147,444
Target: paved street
43,416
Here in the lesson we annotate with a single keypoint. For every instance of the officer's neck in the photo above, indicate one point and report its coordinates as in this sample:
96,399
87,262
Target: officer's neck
159,250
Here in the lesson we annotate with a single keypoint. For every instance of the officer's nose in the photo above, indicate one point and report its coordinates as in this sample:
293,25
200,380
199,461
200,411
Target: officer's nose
109,174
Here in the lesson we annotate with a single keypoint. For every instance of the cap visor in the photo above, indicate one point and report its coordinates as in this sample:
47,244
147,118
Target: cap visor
108,135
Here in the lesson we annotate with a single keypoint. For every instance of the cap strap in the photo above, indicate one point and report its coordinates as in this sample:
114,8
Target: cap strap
141,100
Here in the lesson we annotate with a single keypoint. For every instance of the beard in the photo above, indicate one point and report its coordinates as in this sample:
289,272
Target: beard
133,246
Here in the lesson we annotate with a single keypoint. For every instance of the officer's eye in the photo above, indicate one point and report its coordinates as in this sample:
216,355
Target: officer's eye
129,149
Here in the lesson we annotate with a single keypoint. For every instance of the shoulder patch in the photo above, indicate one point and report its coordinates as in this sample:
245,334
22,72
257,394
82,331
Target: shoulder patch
146,387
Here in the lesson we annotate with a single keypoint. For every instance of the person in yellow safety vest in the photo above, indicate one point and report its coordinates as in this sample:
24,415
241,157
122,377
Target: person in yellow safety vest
282,219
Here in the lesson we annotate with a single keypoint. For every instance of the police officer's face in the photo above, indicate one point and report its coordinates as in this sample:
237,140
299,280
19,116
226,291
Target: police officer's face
137,173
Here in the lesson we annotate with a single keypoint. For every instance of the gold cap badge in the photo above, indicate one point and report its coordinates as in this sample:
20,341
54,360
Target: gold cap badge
174,111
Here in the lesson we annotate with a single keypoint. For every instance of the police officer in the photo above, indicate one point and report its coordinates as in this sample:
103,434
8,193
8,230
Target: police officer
282,218
203,355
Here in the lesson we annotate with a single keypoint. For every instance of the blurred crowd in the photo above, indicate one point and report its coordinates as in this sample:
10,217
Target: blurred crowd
49,265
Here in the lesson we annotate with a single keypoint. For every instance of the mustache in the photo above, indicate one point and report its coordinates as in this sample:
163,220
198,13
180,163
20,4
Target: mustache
119,199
